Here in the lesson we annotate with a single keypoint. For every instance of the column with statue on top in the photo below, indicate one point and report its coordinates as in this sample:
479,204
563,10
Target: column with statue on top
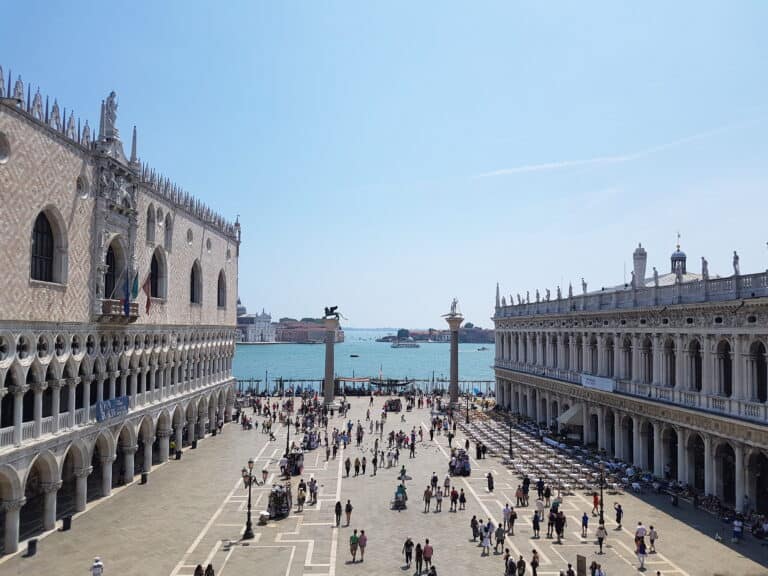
454,319
331,321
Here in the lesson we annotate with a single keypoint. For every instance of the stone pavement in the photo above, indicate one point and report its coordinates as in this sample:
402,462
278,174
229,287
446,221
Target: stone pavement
191,509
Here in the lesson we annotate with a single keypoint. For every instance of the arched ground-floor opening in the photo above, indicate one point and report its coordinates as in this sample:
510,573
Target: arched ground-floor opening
39,510
696,465
100,478
592,436
725,473
553,414
669,448
609,430
628,439
647,452
757,478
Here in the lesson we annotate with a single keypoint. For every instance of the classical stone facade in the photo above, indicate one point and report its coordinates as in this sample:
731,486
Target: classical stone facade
668,373
117,321
254,327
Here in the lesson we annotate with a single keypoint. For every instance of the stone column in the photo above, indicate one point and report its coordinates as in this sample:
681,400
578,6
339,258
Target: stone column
707,366
682,460
39,388
72,389
163,448
18,406
100,379
128,454
658,459
134,384
709,468
636,376
680,364
106,475
560,353
331,326
454,322
87,399
601,439
179,434
637,452
740,390
618,358
12,508
738,452
618,438
191,426
55,386
585,422
49,504
657,355
585,353
602,363
81,487
148,442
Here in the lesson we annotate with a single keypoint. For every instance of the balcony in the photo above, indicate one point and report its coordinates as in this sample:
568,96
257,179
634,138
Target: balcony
114,311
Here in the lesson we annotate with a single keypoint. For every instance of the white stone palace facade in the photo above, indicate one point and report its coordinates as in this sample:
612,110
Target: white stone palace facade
117,316
668,373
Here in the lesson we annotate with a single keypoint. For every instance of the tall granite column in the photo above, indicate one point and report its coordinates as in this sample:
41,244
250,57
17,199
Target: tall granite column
454,321
331,326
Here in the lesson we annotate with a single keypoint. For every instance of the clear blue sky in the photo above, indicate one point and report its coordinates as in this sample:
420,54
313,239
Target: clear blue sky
389,156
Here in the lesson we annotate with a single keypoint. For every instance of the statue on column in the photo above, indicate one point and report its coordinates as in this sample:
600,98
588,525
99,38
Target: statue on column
736,271
454,304
110,116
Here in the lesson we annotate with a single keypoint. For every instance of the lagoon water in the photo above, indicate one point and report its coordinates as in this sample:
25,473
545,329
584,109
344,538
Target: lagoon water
307,361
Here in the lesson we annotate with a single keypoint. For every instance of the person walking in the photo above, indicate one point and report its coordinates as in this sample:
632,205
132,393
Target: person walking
408,551
354,541
490,482
535,562
454,499
462,500
595,503
505,513
601,534
536,525
348,511
584,525
475,528
347,465
560,524
652,536
362,542
439,500
500,533
486,541
427,498
338,512
419,558
428,553
97,568
512,518
364,464
357,467
521,565
641,553
619,514
375,462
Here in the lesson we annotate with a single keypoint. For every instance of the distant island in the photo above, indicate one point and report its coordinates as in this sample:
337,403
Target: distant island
469,334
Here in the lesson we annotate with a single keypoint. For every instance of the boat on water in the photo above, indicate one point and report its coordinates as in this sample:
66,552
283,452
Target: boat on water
354,355
482,349
404,344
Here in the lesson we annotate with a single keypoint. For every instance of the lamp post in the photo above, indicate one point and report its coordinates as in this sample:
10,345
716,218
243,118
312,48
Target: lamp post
510,437
467,421
248,480
288,437
602,481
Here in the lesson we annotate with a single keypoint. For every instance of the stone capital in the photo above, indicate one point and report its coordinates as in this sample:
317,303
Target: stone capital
129,449
105,460
39,387
113,373
164,433
13,505
83,472
55,385
71,381
49,487
19,390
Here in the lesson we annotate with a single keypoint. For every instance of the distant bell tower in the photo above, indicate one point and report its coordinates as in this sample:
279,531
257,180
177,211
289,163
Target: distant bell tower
678,259
640,258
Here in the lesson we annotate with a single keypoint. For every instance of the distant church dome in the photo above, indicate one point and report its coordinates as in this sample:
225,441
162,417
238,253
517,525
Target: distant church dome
678,259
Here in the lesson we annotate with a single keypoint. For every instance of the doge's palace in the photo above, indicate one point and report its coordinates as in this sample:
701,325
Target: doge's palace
117,314
667,372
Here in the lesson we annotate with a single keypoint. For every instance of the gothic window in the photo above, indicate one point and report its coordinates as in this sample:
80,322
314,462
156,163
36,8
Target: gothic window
43,247
221,299
196,284
109,276
151,223
158,275
168,232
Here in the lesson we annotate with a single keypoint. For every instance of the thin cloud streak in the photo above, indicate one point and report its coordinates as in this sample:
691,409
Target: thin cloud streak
603,160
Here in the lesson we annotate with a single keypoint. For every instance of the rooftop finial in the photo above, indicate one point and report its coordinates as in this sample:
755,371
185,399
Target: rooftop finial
678,240
134,159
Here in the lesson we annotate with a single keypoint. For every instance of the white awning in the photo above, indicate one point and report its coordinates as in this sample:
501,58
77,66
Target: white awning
572,415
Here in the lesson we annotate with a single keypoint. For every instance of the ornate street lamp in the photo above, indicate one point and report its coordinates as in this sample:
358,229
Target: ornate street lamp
248,480
602,481
467,421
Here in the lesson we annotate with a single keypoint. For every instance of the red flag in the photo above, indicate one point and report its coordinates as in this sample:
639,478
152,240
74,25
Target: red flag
147,287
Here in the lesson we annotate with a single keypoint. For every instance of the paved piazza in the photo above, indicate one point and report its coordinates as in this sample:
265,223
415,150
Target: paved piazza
191,508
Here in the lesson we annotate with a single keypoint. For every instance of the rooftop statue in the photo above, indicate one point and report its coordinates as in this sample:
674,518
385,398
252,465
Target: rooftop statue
655,277
547,295
632,281
559,293
18,90
110,116
704,268
519,299
736,270
527,296
583,286
537,295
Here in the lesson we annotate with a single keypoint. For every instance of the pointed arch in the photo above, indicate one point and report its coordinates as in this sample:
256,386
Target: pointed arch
151,224
196,283
48,247
221,293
